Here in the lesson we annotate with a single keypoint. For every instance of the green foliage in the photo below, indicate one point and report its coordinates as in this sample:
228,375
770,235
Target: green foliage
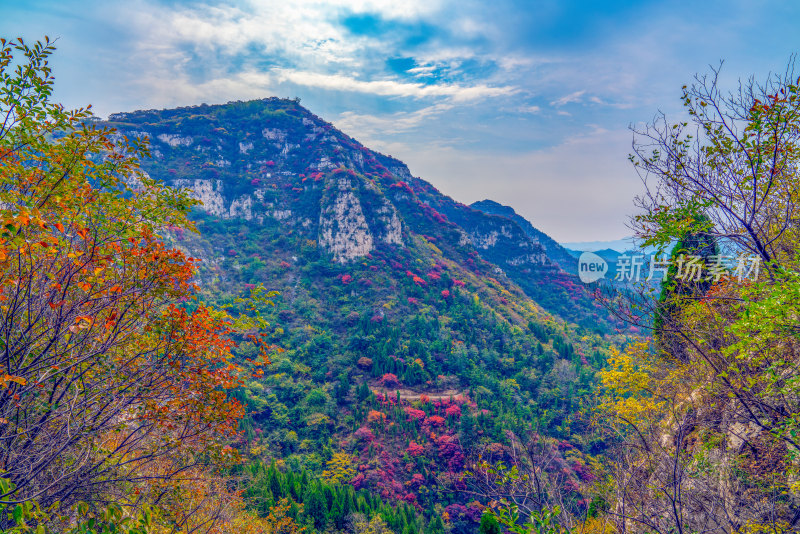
323,504
431,312
29,518
489,524
435,526
543,521
695,242
707,416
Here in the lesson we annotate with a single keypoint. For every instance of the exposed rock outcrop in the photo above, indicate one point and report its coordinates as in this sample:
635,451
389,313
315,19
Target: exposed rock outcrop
343,230
343,226
273,161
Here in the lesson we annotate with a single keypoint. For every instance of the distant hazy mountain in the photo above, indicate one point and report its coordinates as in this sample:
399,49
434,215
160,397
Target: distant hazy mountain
608,254
611,257
620,245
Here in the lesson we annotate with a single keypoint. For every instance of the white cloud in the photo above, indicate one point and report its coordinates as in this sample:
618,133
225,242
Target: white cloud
568,99
373,129
513,62
305,31
446,55
337,82
390,9
529,109
426,70
226,52
297,31
466,26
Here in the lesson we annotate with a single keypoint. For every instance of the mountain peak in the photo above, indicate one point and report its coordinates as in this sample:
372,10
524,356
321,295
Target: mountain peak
555,252
490,206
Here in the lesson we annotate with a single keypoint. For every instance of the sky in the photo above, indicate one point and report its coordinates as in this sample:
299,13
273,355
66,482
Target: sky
528,103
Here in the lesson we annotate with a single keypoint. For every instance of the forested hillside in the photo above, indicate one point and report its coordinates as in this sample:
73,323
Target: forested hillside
409,351
273,163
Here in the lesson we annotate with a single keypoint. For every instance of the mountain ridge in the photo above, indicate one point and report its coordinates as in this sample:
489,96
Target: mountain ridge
274,159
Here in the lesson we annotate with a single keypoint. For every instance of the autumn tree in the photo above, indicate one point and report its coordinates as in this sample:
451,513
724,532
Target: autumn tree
526,485
708,435
113,377
339,469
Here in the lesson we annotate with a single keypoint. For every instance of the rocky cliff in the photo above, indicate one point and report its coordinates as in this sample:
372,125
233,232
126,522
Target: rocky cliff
554,251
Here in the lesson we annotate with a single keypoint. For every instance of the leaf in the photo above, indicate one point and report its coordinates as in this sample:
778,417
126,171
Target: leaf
6,379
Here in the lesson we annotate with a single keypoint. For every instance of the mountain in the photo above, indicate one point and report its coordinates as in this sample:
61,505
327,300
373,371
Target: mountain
619,245
557,289
611,257
555,252
272,160
417,330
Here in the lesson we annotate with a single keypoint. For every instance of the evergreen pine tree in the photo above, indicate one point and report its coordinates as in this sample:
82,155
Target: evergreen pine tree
436,526
274,482
695,242
315,507
468,434
489,525
337,514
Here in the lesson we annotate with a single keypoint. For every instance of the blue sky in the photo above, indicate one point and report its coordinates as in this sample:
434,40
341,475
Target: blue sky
527,103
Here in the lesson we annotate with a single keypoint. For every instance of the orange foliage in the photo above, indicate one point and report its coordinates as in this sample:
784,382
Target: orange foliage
99,312
376,416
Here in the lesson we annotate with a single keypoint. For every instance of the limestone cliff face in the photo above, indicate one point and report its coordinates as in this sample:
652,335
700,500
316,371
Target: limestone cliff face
505,244
209,192
290,167
274,160
499,239
343,227
554,252
392,229
343,230
293,167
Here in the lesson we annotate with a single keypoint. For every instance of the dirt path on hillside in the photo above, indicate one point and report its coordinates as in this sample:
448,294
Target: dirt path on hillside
409,395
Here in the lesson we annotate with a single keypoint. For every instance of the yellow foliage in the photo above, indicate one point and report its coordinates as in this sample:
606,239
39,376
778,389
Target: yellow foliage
6,379
200,502
339,468
766,528
376,525
597,525
628,385
279,522
317,419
